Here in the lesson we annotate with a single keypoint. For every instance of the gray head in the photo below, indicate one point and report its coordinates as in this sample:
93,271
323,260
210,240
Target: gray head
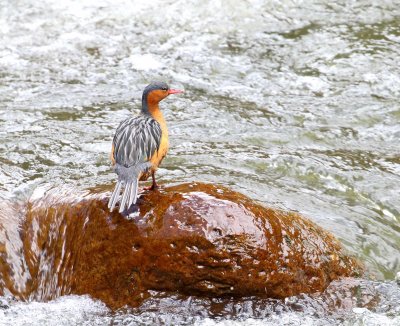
154,93
155,86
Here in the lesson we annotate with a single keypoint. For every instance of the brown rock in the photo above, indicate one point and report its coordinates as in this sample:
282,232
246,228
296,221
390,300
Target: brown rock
196,239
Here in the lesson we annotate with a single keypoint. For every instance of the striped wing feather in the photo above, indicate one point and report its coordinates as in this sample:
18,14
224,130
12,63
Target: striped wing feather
136,140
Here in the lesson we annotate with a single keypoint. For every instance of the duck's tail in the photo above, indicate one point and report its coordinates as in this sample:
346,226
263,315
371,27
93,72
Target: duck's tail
128,178
129,195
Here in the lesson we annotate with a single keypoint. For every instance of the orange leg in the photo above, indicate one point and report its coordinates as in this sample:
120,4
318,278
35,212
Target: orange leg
154,185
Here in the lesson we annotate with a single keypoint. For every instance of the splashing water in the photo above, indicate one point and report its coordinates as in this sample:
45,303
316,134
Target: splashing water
294,103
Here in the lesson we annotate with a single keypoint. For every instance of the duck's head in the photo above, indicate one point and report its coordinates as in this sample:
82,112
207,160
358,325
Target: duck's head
155,92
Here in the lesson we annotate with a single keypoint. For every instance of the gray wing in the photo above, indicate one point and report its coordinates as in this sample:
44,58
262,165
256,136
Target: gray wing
136,140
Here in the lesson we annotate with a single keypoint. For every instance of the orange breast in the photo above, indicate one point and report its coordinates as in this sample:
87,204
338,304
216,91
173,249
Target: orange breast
112,155
159,155
162,151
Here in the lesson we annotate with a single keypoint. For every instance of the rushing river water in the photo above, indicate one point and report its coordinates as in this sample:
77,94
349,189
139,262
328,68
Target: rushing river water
293,103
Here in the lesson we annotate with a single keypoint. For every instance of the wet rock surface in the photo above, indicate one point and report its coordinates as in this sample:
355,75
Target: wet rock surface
192,239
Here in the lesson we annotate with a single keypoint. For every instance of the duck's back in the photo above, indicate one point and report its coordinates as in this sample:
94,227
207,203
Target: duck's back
136,141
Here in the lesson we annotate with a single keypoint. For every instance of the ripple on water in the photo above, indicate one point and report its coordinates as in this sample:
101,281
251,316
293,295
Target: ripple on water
354,303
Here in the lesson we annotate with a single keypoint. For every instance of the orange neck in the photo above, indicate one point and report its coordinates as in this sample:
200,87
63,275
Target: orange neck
150,106
157,115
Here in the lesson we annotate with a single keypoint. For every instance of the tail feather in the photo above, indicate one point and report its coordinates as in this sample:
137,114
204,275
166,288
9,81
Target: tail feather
125,195
129,177
115,195
136,190
133,192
